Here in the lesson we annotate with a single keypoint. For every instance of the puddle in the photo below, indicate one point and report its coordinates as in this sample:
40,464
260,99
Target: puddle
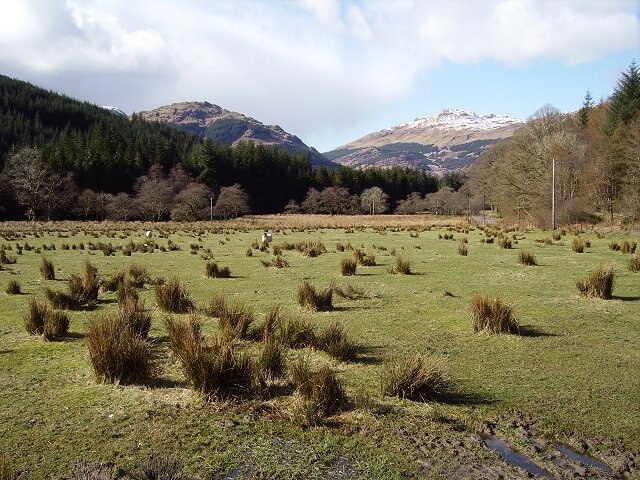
514,458
585,460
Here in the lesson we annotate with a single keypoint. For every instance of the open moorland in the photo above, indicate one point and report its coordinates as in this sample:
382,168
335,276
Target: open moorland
384,373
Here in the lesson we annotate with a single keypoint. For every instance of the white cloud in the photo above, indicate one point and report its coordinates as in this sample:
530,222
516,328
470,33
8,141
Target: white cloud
306,64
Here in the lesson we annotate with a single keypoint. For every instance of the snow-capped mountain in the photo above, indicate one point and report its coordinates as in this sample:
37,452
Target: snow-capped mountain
451,140
114,110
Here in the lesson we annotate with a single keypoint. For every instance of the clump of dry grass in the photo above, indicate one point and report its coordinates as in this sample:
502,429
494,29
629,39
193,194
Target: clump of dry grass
316,301
614,246
462,248
505,242
6,469
526,257
348,267
578,244
235,319
598,284
134,314
47,270
364,259
13,288
173,297
348,291
634,263
403,267
296,332
216,371
321,393
272,361
212,270
335,341
118,354
277,262
160,467
628,247
41,319
415,377
495,315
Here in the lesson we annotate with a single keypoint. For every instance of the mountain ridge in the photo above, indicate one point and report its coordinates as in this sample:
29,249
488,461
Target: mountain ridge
223,126
450,140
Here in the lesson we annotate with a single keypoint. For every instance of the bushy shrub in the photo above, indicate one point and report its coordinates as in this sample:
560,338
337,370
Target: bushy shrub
526,257
415,377
117,353
598,284
495,315
316,301
348,266
47,270
173,297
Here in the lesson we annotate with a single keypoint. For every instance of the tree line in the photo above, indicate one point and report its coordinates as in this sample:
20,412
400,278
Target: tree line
597,156
62,158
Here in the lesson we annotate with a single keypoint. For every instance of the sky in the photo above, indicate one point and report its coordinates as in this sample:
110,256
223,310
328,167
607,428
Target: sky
328,71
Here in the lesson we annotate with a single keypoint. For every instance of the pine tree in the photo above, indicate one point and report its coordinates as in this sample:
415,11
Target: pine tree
587,105
625,101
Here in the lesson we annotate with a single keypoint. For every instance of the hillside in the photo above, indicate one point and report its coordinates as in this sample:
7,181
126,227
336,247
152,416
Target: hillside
449,141
226,127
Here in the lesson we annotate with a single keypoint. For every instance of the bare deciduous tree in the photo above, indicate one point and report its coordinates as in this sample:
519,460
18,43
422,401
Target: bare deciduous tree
374,200
191,203
232,202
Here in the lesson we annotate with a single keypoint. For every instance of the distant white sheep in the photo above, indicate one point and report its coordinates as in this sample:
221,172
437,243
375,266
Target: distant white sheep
267,237
148,234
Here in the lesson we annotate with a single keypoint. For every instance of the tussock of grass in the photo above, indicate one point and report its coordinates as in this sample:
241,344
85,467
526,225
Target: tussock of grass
6,469
505,242
628,247
41,319
462,248
578,245
348,266
296,332
321,393
316,301
117,353
134,314
173,297
271,322
160,467
495,315
403,267
235,319
634,263
272,361
335,341
348,291
47,270
13,288
212,270
526,257
415,377
598,284
217,371
217,304
361,258
277,262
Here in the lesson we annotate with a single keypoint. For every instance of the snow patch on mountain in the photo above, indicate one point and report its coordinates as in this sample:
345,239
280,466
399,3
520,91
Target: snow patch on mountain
114,110
452,119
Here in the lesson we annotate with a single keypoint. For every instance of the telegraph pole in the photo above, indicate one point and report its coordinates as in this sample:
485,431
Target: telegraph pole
553,195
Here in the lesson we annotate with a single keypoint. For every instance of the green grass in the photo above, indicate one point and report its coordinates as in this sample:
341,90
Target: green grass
564,369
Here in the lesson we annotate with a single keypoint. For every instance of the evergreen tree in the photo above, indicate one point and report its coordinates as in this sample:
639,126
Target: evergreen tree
583,113
625,101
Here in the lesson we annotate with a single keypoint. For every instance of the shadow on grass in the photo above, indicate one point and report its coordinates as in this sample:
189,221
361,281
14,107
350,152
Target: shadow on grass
4,352
72,337
625,299
529,331
160,382
368,355
464,398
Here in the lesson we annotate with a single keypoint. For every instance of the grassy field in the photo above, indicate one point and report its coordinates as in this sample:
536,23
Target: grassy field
570,376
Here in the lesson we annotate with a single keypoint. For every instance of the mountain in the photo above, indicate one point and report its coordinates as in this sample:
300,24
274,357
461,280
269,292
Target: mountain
114,110
226,127
449,141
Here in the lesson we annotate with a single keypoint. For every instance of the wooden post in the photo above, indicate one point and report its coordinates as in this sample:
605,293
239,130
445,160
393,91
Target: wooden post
553,196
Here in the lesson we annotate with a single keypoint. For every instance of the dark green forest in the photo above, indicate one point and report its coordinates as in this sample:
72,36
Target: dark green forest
91,153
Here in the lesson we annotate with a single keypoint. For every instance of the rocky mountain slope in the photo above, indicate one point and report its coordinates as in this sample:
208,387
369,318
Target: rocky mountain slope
227,127
449,141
